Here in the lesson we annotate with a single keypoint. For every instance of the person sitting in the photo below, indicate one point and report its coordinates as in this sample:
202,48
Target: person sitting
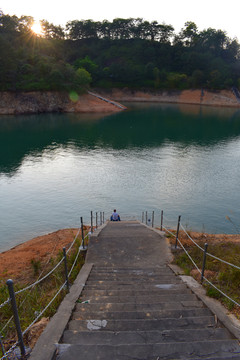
115,216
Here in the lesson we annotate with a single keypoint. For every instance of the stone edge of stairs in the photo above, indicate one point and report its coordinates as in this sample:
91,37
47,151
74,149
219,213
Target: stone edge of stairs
223,316
45,347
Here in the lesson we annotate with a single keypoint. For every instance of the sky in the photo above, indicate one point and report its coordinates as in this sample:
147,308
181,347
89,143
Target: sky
222,15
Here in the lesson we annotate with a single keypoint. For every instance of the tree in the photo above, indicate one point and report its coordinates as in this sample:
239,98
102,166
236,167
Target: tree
83,79
189,34
197,79
52,31
8,24
25,23
177,81
122,28
84,29
165,33
105,29
87,64
213,40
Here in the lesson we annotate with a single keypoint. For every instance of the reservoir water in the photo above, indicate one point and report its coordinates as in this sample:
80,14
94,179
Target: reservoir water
182,159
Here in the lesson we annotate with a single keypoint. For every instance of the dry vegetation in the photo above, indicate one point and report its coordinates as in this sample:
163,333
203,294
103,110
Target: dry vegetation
26,263
223,276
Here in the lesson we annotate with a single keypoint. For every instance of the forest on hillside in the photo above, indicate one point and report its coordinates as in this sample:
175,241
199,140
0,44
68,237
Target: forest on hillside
132,53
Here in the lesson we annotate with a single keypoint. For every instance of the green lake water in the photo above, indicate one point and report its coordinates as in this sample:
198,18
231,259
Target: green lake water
182,159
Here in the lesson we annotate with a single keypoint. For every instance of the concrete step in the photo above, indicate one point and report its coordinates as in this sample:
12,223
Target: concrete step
146,299
127,278
157,314
142,324
133,286
125,293
158,270
228,349
102,276
139,307
111,283
146,337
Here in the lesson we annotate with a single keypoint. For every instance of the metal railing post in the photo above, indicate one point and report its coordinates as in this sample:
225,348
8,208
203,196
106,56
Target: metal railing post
161,219
100,218
178,225
66,269
91,222
103,217
96,220
204,261
143,217
146,218
15,315
152,219
82,233
1,344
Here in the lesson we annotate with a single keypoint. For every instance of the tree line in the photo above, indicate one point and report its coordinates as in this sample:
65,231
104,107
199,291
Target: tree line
132,53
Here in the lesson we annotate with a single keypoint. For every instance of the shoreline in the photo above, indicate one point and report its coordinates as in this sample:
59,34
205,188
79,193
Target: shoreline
16,263
14,103
221,98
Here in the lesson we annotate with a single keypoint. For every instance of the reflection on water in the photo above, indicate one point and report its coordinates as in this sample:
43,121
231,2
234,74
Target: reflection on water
56,167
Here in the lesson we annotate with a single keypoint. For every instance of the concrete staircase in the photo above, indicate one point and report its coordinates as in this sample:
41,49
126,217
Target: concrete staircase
143,313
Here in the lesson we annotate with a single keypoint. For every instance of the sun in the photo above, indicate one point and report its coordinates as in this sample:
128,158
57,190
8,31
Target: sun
37,28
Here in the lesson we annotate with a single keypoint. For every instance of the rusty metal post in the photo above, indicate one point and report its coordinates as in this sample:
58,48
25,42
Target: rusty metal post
16,316
82,233
161,219
91,222
204,261
66,269
178,225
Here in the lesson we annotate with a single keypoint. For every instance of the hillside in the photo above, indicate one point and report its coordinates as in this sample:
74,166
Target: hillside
123,53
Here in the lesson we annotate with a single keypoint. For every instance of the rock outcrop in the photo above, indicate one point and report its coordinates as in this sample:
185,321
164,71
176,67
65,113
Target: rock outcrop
49,101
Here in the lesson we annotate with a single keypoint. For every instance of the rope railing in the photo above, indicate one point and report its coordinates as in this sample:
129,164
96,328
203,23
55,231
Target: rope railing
211,255
223,261
209,282
205,254
9,350
191,238
189,256
4,303
216,288
29,287
43,311
167,230
45,276
74,263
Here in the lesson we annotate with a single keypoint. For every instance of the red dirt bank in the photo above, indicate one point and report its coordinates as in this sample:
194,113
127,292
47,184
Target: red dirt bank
213,98
38,102
16,262
50,101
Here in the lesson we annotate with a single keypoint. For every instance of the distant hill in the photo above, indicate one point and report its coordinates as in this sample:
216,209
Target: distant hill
130,53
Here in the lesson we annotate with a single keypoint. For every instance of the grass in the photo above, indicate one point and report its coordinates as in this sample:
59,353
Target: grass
31,302
223,276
